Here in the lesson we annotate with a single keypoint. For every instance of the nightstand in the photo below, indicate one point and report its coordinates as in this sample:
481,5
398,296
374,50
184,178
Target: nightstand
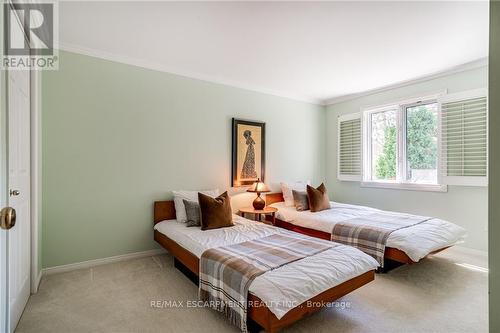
268,210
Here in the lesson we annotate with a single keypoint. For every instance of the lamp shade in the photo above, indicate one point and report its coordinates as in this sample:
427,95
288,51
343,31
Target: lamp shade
259,187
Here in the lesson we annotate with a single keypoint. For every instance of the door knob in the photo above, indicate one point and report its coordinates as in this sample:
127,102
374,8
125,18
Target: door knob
14,193
7,218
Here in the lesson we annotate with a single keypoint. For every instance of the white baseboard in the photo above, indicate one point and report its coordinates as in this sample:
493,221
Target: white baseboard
36,282
467,250
102,261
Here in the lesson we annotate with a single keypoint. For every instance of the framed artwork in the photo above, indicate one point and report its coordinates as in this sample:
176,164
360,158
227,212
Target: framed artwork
249,152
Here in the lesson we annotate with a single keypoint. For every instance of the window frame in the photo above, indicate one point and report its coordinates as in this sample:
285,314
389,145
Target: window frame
401,160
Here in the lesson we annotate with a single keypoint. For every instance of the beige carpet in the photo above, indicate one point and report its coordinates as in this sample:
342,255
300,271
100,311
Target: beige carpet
445,293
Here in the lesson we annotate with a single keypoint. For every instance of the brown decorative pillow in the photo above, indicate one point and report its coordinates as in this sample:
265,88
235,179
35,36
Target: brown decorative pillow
318,198
215,212
300,200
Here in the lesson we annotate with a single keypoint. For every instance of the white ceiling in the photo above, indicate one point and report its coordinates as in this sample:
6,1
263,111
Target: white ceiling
303,50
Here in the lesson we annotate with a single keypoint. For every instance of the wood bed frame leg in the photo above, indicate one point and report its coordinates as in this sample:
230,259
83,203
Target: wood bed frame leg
389,265
253,327
184,270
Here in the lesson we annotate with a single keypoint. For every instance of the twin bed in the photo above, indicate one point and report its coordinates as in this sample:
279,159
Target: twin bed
407,245
281,296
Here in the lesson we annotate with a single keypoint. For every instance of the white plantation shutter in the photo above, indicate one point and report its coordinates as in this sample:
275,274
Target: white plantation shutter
464,138
349,147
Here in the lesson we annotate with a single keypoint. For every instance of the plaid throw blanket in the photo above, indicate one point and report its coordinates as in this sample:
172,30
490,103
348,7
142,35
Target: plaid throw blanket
370,233
227,272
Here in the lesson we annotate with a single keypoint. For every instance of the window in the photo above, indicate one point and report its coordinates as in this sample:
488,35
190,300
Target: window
401,145
383,148
420,144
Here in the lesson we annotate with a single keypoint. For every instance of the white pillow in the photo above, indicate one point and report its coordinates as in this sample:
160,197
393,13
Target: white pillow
287,190
180,209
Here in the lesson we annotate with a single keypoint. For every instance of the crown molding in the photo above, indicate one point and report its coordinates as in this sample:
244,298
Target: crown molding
192,75
483,62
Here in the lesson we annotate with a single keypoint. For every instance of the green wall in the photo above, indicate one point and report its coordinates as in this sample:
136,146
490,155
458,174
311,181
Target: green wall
117,137
465,206
494,160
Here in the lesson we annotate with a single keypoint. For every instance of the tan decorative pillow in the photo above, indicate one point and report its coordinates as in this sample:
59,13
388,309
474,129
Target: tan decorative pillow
318,198
301,201
215,212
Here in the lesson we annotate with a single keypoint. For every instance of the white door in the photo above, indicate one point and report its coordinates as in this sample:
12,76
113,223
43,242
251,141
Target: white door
18,155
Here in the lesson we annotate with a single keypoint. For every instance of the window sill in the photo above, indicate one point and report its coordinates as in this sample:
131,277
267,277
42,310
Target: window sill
406,186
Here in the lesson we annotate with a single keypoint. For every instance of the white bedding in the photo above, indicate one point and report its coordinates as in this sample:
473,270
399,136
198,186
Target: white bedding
286,287
416,241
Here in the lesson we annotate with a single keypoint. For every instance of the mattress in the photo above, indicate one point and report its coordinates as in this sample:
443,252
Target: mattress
416,241
288,286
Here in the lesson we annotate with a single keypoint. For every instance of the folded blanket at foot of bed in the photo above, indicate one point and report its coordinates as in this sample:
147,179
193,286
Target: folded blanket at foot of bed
370,233
227,272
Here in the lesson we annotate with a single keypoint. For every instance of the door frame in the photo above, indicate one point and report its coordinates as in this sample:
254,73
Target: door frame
4,297
35,177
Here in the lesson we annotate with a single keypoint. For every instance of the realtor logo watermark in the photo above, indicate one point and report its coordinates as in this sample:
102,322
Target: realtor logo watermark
29,32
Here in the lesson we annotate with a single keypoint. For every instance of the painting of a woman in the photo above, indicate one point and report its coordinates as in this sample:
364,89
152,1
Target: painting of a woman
248,170
248,163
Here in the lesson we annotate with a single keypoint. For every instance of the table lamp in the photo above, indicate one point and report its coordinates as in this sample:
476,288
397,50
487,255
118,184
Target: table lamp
259,187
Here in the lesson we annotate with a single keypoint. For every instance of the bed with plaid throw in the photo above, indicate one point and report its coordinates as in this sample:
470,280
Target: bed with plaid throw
227,272
370,233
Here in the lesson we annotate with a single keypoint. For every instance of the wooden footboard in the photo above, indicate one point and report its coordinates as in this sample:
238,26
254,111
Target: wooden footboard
258,312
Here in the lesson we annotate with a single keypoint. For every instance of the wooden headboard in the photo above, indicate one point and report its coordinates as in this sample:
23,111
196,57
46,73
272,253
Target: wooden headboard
163,210
273,198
